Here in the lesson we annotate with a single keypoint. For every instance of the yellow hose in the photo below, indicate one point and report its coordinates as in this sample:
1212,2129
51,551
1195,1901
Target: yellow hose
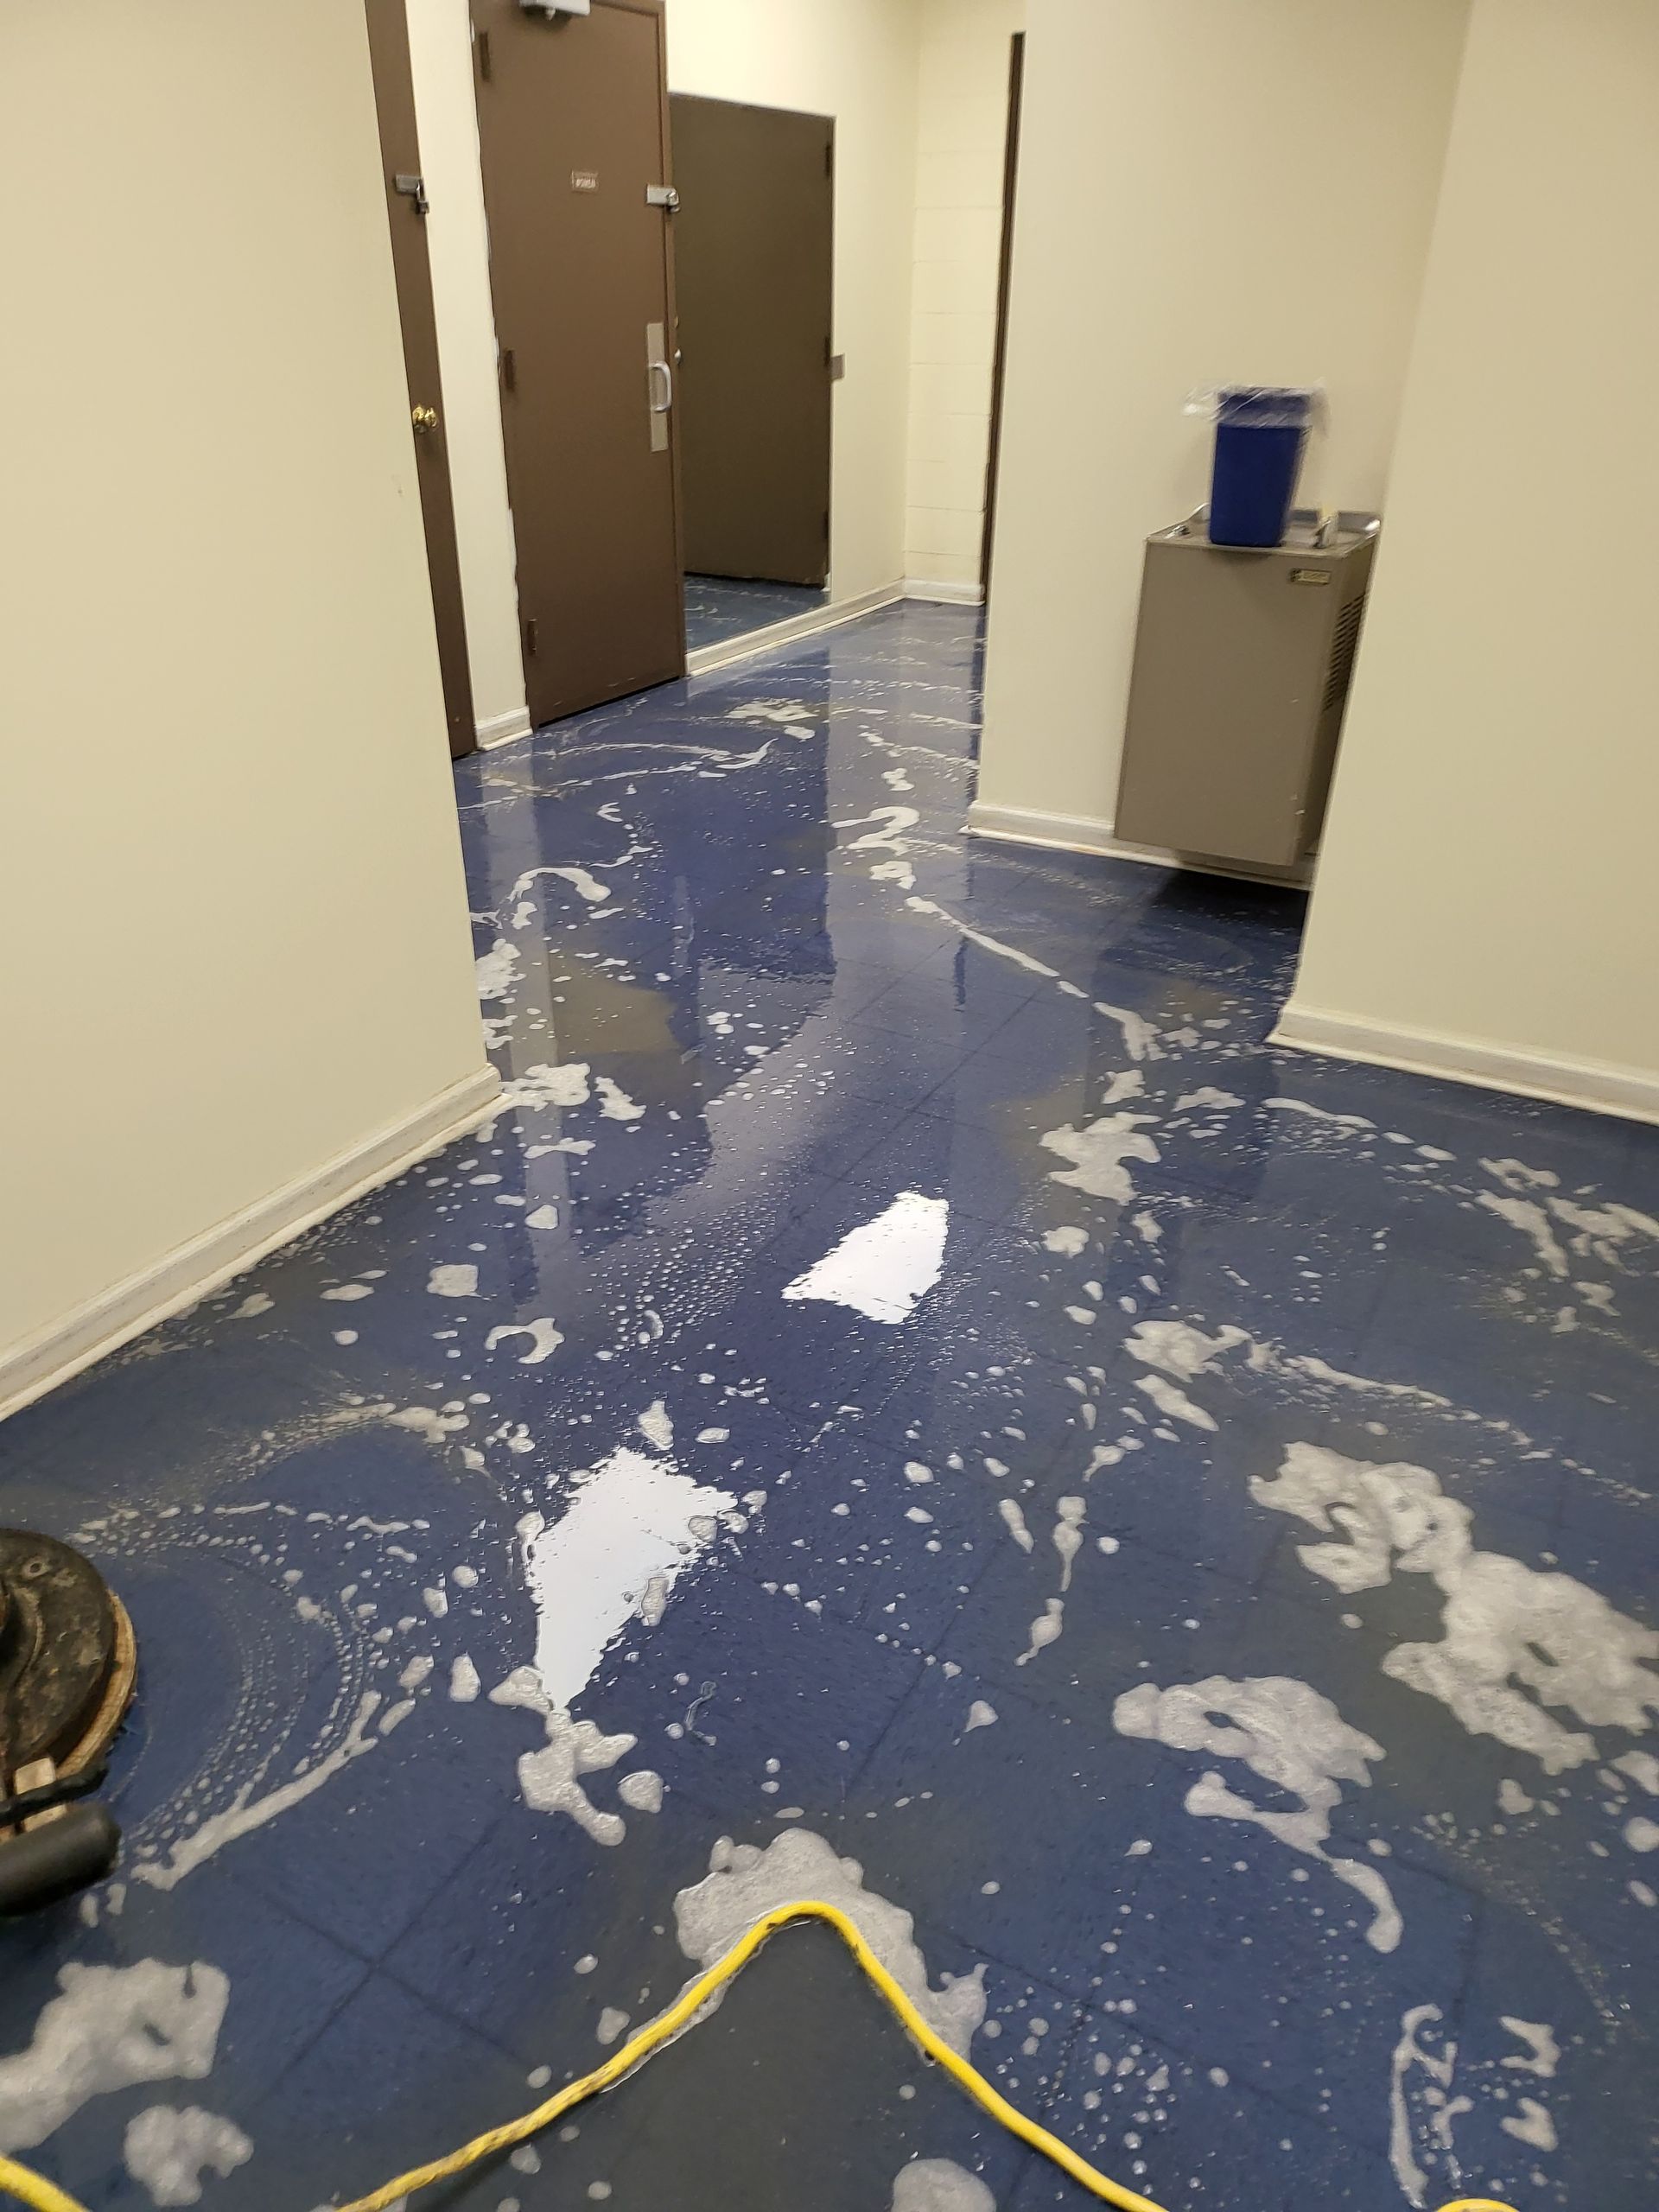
34,2189
44,2196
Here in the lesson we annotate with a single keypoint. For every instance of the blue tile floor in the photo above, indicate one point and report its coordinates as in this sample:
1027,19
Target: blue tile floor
720,609
914,1398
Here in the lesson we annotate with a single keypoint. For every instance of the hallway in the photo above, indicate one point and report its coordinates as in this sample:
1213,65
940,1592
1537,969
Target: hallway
911,1374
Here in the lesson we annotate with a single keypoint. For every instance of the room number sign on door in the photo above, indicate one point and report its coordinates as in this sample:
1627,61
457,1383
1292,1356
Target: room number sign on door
584,179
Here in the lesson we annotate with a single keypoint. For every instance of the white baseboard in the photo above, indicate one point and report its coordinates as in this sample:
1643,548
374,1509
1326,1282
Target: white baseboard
1598,1086
503,729
708,658
945,595
207,1263
1084,833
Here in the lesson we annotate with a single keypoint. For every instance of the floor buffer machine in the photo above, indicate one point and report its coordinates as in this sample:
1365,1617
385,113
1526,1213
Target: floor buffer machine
67,1664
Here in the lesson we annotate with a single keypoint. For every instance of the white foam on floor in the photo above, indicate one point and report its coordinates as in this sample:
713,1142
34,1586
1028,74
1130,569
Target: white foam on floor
614,1102
498,970
1068,1536
1518,1645
550,1777
1178,1348
1408,2054
656,1427
1140,1037
939,2185
1296,1739
1097,1155
1529,1217
110,2028
166,2149
1543,2053
1045,1630
545,1340
1174,1402
1533,2126
1354,1122
745,1882
547,1085
1014,1521
247,1811
584,885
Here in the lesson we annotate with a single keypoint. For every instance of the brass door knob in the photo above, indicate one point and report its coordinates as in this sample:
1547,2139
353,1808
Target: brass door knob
423,418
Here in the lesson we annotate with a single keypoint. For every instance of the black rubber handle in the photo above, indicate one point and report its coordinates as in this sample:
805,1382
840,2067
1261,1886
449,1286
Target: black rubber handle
45,1865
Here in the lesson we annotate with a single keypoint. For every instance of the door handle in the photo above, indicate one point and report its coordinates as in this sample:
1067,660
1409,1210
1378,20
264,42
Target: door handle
424,419
660,398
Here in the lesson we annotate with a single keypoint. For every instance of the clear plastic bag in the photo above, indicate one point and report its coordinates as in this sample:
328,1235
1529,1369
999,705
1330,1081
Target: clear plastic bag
1265,407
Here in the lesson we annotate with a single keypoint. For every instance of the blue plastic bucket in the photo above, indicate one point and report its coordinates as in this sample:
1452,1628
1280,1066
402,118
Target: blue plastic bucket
1260,436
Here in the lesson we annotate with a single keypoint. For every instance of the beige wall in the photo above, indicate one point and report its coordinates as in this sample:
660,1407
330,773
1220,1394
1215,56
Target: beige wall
440,55
237,946
854,59
1486,893
1208,192
961,138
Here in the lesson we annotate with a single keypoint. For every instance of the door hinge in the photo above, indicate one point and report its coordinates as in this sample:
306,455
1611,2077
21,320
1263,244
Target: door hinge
481,41
532,636
413,188
509,370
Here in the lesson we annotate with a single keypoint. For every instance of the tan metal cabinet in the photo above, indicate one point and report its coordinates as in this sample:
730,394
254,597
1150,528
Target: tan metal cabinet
1243,662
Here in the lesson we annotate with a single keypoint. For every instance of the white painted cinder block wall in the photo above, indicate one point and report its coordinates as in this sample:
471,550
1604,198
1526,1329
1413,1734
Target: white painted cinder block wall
1484,906
962,135
1209,192
238,973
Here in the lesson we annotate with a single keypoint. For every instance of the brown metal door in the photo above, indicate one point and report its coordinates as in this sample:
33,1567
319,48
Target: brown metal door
573,120
400,151
753,269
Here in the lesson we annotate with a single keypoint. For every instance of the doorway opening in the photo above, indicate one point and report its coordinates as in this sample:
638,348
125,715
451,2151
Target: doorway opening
754,281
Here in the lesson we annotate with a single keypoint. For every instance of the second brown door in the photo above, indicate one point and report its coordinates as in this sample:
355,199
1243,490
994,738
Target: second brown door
754,248
573,124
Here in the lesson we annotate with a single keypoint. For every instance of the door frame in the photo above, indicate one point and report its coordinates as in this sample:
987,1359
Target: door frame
665,124
387,28
658,8
1004,276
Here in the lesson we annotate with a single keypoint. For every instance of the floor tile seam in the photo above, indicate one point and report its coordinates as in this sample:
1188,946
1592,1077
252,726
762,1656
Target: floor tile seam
891,1645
